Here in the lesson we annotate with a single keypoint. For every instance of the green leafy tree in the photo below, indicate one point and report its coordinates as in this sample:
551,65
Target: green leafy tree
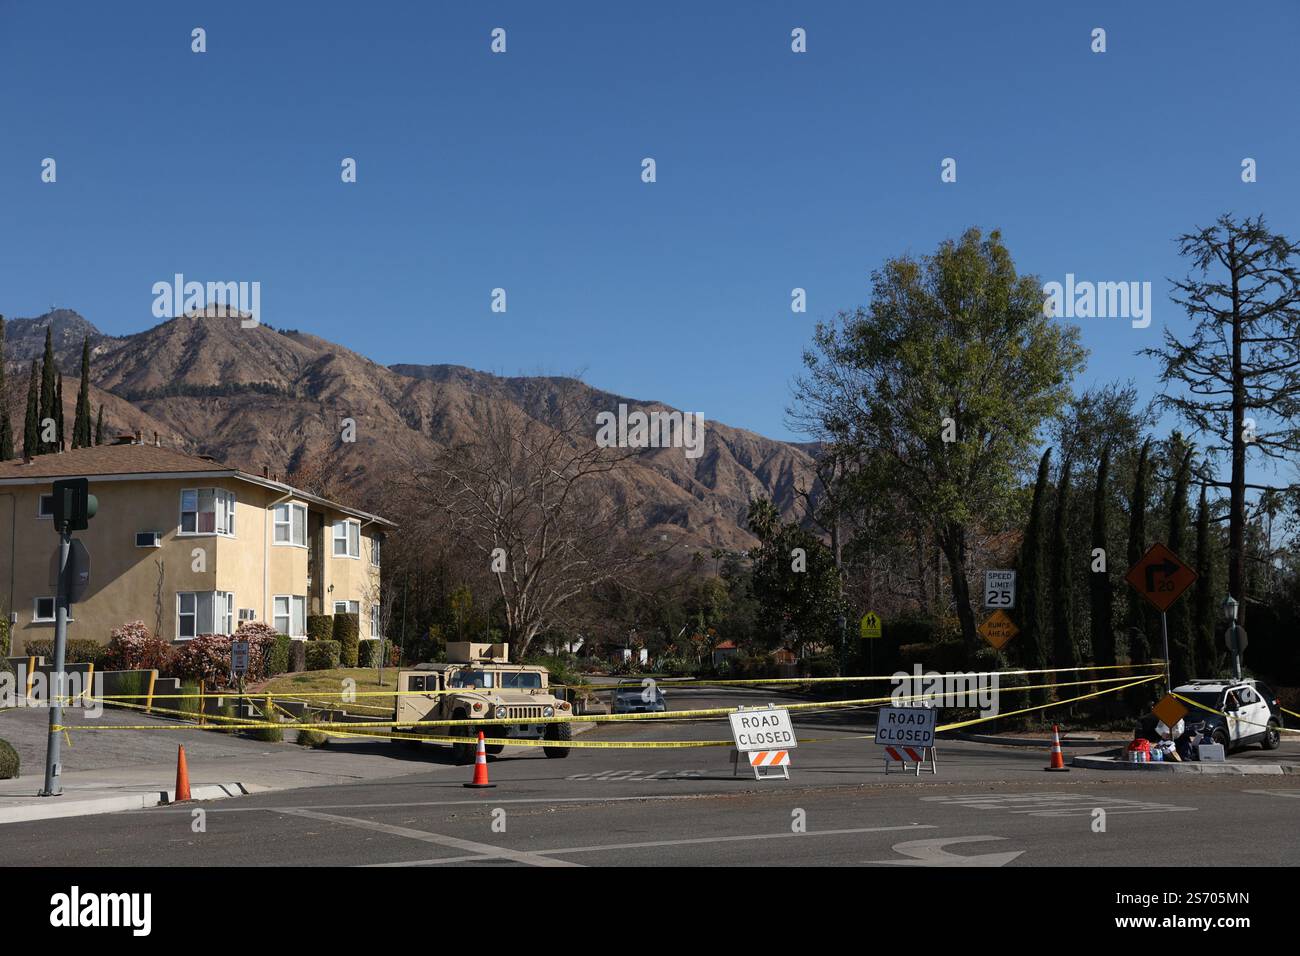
1065,651
58,413
1032,609
6,426
31,426
795,579
1179,617
1139,613
1101,588
81,423
943,382
48,398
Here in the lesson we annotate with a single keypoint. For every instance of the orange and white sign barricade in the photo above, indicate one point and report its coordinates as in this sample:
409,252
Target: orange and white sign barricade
765,736
916,755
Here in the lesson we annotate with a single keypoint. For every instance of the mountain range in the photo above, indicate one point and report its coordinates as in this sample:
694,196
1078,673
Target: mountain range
258,398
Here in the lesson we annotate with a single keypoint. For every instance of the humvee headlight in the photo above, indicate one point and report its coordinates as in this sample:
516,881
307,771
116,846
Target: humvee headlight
548,711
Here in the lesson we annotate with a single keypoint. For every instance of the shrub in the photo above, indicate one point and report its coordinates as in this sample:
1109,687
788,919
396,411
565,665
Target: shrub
347,631
368,652
76,651
320,627
207,657
312,738
186,703
229,714
133,646
322,655
279,660
269,735
133,687
8,761
5,643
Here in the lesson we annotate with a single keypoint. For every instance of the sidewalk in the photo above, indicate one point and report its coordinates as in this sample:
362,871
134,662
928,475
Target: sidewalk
287,766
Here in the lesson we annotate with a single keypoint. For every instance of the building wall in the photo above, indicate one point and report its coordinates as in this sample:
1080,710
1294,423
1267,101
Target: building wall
129,583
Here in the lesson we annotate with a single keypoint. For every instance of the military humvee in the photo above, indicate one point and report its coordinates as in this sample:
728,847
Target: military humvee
478,681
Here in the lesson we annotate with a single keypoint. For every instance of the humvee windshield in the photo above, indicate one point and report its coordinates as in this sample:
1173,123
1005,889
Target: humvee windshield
522,680
470,678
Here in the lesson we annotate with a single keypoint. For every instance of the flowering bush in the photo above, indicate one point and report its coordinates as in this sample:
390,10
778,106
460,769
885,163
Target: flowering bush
133,646
207,657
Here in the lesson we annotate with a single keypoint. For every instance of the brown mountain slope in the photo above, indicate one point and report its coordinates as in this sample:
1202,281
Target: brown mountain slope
259,397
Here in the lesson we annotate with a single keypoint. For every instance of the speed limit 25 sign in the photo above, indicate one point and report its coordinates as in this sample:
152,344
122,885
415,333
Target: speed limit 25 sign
999,589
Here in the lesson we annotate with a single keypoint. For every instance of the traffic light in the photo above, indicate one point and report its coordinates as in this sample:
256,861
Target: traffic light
74,505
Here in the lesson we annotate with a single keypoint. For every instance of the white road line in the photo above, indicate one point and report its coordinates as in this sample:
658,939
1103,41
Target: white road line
601,848
1277,793
484,850
932,853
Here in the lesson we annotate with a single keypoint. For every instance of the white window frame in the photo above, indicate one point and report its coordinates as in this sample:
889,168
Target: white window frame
349,539
374,621
277,524
348,607
222,495
40,509
222,619
54,610
375,550
289,600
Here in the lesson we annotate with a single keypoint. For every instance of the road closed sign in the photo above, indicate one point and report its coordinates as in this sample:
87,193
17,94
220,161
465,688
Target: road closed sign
763,730
909,726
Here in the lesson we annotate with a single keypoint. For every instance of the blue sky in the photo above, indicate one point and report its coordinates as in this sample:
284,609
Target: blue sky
522,170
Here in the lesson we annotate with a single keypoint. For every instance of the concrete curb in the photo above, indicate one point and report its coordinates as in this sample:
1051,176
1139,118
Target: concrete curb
56,807
1096,762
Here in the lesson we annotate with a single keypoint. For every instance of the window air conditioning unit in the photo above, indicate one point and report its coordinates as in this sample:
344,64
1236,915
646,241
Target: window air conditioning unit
148,539
247,614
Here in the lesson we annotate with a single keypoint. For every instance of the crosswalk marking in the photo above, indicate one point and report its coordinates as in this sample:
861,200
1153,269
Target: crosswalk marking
1054,804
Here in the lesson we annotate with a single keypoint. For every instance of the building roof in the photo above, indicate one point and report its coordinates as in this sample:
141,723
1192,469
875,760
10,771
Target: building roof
142,461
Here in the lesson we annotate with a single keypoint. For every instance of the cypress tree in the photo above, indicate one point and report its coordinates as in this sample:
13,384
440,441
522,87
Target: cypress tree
99,427
1182,663
32,427
1065,652
1139,617
47,399
6,426
1100,586
1206,653
1032,599
81,424
58,413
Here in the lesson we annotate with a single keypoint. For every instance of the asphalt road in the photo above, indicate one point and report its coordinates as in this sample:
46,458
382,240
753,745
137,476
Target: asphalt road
987,806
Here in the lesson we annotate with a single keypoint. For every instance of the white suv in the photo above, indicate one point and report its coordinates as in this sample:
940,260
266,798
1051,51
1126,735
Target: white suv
1244,712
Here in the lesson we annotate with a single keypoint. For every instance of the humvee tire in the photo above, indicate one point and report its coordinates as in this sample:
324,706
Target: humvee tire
493,749
463,753
562,731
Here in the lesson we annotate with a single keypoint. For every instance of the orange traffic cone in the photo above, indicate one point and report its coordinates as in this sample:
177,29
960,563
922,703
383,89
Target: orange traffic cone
480,781
1058,763
182,777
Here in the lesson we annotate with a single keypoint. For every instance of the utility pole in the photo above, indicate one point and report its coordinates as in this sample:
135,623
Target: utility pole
74,506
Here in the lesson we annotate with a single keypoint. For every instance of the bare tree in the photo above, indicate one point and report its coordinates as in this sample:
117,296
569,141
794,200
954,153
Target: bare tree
1237,378
540,505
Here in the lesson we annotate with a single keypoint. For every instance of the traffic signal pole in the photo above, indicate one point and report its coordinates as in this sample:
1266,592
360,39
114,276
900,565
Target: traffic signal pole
58,680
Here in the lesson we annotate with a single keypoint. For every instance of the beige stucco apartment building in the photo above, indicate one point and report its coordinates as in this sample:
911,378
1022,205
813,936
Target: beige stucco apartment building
185,544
